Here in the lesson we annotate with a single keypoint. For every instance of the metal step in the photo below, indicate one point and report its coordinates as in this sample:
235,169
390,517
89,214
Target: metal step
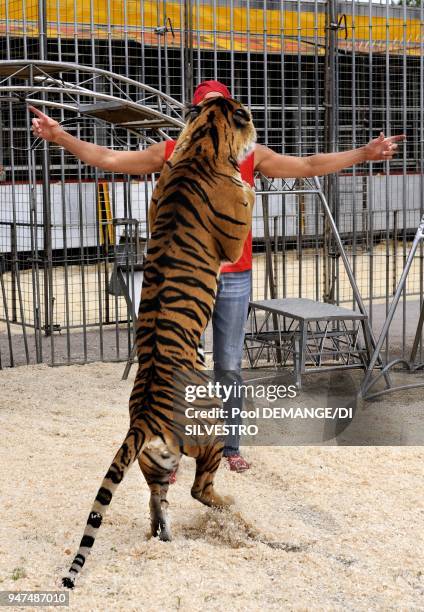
125,115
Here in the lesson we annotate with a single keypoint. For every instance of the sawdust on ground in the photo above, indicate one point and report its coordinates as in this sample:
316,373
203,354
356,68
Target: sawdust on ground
324,527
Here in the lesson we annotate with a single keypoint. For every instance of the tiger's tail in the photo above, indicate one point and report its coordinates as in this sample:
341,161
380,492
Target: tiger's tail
131,448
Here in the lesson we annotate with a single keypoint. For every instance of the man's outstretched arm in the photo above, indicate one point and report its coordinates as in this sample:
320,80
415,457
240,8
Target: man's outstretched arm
274,165
126,162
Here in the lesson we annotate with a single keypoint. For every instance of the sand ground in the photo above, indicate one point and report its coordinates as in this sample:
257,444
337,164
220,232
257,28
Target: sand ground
326,527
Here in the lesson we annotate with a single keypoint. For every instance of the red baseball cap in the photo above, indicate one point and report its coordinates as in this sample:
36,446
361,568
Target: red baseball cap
206,87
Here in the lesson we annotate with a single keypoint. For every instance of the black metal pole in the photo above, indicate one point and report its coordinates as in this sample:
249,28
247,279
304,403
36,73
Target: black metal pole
330,138
45,172
188,51
42,29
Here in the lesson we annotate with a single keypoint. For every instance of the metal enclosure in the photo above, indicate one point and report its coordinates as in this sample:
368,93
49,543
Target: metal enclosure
318,76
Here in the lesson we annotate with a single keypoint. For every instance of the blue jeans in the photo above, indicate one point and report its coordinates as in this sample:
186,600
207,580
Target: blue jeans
228,322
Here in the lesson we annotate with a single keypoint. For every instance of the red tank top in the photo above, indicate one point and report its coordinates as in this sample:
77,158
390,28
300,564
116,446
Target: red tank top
247,174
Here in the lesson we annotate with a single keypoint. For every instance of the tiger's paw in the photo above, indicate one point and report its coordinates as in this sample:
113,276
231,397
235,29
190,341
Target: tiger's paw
161,530
222,501
212,499
165,536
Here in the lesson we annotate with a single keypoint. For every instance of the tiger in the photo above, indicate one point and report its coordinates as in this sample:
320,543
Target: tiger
200,216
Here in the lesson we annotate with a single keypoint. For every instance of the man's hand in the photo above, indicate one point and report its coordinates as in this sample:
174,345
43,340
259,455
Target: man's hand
44,126
382,148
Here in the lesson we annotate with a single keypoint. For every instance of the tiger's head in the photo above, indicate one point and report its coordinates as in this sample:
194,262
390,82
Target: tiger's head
218,126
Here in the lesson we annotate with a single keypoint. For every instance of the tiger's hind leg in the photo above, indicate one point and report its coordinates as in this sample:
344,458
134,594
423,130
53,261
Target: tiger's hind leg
157,462
207,463
159,518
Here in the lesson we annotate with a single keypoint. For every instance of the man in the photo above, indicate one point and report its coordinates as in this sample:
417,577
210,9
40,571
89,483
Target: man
235,280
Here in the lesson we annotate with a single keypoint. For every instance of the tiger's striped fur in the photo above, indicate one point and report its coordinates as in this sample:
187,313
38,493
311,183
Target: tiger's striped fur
200,215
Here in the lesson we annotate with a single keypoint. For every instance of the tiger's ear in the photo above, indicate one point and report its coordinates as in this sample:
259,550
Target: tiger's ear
241,117
192,112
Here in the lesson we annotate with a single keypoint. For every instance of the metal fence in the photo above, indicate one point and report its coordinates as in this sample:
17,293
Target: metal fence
318,76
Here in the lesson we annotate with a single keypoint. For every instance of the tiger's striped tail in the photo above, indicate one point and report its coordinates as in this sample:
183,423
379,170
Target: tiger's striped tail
131,448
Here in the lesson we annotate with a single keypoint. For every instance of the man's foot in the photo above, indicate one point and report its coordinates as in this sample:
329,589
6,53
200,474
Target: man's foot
236,463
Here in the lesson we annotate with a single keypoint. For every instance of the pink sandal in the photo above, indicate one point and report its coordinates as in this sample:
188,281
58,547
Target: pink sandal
236,463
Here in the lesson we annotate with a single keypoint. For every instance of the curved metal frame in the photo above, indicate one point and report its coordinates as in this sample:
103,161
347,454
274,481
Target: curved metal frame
369,382
167,110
